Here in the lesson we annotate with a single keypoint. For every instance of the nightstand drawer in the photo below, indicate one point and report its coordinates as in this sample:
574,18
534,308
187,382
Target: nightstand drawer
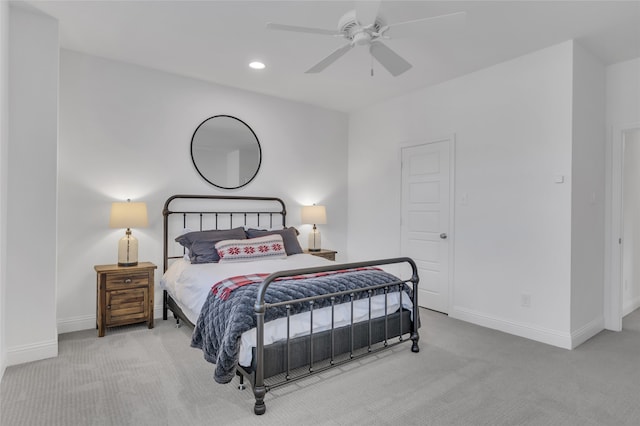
126,280
127,306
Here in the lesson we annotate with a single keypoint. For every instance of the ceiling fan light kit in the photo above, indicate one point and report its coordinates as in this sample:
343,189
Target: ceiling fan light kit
363,27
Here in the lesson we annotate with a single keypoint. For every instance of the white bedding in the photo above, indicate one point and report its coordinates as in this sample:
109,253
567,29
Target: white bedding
189,285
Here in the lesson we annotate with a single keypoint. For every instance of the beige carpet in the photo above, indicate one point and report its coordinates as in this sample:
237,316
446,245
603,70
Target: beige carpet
463,375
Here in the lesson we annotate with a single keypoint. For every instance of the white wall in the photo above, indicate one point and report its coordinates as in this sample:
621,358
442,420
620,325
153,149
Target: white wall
125,132
587,196
513,130
4,143
623,93
30,291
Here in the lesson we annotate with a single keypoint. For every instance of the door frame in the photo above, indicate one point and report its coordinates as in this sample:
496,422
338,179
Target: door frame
613,231
451,139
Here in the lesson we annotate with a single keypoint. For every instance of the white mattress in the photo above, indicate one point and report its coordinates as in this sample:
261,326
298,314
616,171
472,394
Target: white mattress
189,285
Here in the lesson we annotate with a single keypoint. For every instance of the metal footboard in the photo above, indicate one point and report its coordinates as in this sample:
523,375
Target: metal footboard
260,388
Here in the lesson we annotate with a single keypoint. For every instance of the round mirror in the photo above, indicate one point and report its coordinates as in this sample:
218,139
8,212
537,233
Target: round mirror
226,152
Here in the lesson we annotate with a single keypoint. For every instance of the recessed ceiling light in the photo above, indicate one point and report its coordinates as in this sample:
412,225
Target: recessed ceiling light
257,65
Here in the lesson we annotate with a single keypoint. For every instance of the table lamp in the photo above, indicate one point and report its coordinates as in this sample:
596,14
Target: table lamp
128,215
316,215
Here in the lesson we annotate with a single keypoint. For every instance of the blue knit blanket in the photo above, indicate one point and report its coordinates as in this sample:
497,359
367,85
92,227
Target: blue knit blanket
222,322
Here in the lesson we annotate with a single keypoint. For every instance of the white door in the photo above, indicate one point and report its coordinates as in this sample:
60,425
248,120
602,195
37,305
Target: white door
425,219
614,288
630,230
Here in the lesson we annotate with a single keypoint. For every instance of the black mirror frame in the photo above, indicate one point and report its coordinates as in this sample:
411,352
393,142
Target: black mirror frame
257,142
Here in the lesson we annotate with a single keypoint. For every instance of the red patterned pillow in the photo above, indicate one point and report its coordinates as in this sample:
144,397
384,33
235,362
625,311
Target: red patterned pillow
267,247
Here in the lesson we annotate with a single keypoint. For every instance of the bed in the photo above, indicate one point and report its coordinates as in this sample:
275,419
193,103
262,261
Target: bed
265,311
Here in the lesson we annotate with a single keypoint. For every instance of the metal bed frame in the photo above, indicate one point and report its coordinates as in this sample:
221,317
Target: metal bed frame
295,358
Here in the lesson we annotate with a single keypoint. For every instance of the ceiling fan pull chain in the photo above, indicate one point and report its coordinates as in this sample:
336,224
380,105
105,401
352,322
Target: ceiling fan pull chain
371,65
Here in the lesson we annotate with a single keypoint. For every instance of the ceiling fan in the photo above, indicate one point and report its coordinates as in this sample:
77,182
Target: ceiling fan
363,26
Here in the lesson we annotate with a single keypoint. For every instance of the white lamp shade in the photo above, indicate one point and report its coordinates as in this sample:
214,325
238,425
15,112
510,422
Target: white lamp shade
128,215
316,215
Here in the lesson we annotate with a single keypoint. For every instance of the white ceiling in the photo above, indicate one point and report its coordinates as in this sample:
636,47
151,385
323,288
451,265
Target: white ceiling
215,40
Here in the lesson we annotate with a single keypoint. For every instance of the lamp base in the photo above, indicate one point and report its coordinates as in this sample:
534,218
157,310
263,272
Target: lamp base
314,239
128,250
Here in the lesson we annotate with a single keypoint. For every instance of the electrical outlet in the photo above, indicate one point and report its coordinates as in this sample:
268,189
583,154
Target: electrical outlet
525,300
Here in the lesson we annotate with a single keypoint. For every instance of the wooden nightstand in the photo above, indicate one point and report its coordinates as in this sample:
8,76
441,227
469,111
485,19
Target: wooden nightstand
124,295
327,254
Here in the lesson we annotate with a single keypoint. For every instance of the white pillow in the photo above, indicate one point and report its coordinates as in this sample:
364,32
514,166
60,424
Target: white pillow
261,248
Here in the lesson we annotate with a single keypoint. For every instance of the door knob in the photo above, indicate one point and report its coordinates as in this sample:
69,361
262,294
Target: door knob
443,236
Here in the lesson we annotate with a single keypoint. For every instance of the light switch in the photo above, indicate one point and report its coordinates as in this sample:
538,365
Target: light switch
558,178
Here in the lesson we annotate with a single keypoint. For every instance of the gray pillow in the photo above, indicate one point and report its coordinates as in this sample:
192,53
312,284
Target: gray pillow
202,244
289,238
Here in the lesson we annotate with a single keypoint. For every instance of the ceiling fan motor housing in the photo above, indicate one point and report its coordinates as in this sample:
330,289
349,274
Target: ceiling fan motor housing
359,34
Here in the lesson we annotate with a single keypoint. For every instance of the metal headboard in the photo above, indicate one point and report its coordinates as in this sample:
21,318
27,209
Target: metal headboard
219,212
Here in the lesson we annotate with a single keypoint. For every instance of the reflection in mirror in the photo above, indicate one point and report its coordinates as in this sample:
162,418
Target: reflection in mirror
226,152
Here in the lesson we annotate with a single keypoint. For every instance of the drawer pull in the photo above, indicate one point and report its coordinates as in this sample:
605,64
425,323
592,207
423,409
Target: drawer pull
127,280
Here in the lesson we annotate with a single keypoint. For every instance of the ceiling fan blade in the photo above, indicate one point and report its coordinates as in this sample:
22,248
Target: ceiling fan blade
295,28
330,59
425,26
367,12
389,59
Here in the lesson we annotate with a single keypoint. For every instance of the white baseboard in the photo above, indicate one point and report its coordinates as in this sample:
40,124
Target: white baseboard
32,352
69,325
539,334
157,312
587,331
630,306
86,322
